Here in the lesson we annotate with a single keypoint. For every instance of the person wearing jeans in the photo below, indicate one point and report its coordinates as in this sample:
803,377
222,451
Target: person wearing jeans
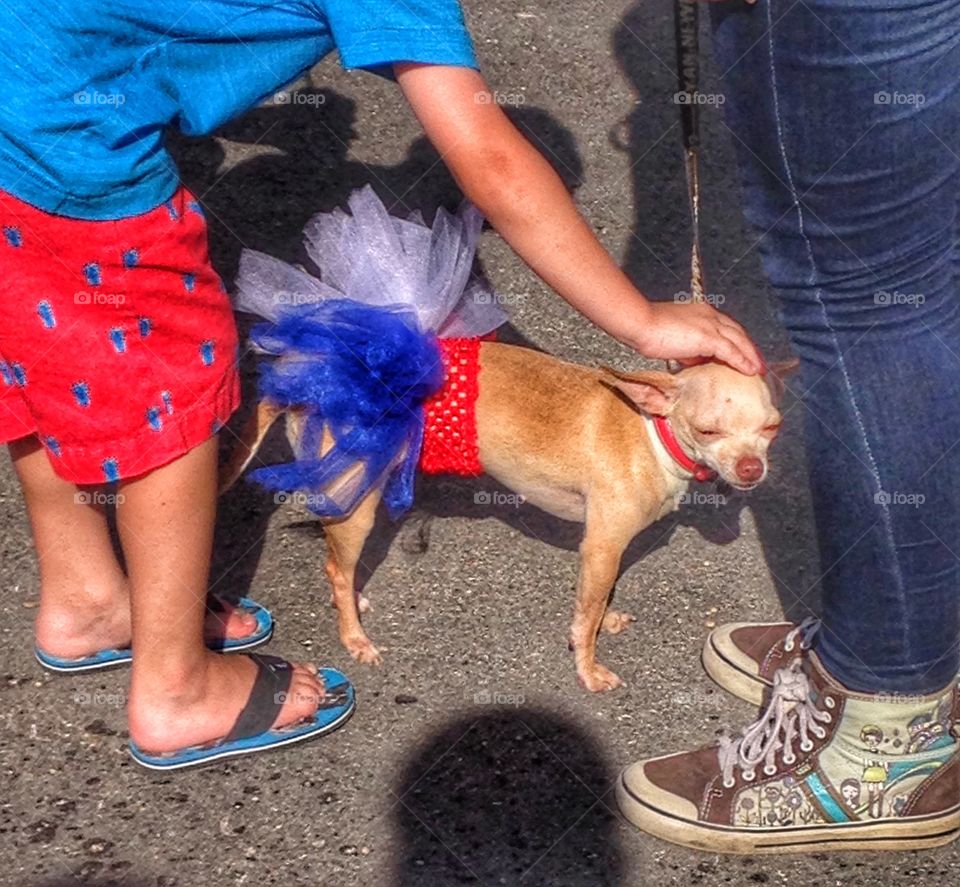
845,115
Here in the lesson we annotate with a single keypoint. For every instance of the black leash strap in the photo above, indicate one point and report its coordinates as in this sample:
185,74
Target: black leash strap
687,26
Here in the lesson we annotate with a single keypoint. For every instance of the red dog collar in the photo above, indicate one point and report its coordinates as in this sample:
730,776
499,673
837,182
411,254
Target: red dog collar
669,440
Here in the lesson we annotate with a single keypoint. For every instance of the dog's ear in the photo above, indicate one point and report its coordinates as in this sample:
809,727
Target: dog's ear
654,391
777,373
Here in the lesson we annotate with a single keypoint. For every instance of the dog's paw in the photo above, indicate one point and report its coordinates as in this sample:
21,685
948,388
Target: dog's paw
363,650
614,621
597,679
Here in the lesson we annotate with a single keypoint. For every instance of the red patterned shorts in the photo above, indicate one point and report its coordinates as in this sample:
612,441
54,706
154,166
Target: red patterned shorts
118,346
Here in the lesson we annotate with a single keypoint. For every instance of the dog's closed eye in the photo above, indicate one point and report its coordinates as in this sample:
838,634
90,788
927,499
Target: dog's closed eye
708,432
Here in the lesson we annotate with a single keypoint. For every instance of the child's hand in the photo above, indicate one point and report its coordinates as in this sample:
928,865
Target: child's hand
693,332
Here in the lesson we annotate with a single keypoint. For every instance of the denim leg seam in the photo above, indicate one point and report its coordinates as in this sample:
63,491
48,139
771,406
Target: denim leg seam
808,246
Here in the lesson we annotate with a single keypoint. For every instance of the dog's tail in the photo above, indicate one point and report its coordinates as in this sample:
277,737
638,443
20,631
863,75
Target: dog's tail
251,437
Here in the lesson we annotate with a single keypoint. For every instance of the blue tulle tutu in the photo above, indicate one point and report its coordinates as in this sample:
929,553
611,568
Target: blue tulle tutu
364,373
356,350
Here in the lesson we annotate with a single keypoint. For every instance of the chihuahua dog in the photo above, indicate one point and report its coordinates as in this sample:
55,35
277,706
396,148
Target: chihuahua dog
615,451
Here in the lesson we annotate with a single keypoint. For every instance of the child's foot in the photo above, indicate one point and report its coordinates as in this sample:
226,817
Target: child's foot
78,623
168,713
83,623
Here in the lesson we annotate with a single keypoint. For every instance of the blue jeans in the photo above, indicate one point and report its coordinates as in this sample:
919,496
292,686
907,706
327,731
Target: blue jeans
846,119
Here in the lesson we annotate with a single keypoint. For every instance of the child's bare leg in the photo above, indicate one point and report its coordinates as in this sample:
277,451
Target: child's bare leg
84,600
84,604
180,693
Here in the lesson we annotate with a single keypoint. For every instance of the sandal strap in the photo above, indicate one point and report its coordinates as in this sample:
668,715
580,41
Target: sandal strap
266,698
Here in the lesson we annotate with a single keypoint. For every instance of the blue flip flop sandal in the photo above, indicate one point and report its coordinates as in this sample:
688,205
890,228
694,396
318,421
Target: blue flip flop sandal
113,658
251,733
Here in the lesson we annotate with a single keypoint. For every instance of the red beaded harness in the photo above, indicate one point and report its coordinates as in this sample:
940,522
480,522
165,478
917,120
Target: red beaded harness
450,418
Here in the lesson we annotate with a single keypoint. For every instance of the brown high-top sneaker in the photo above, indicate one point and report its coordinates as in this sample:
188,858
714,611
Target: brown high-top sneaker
821,769
743,657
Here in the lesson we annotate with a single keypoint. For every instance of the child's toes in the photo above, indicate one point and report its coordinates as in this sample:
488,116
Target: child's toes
311,682
230,622
301,700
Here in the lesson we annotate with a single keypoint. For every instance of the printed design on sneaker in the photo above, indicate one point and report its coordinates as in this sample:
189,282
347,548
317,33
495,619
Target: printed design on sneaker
780,802
878,756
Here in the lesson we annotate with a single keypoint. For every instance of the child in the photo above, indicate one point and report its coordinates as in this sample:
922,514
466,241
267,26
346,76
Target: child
118,342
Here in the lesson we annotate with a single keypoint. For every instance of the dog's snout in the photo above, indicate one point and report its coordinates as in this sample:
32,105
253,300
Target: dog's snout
749,468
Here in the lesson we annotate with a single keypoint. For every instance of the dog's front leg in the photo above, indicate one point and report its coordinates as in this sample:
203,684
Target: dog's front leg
600,554
345,540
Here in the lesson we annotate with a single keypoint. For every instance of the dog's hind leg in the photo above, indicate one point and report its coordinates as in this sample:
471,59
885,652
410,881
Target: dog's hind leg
251,437
345,540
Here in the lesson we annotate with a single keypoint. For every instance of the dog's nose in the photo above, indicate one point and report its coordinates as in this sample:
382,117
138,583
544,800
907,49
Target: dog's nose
749,469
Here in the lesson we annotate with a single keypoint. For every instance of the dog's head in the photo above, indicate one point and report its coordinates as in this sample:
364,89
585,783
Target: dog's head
722,418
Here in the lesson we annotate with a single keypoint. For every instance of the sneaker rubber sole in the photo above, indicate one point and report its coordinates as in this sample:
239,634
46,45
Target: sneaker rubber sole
906,833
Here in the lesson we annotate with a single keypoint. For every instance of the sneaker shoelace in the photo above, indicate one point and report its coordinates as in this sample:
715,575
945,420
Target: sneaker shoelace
804,632
791,713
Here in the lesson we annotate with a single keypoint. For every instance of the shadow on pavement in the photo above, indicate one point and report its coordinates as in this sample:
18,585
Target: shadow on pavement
298,166
512,796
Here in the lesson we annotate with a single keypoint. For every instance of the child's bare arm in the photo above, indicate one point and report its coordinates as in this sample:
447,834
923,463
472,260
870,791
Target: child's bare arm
525,200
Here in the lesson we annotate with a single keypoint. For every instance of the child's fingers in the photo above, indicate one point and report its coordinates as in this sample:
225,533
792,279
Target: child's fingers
737,351
740,338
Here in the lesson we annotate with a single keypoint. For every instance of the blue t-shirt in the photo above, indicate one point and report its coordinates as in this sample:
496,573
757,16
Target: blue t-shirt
88,87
